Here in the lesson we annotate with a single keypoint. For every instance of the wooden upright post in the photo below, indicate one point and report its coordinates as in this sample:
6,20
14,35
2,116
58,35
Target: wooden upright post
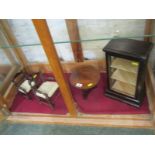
148,29
8,53
3,106
73,32
149,77
49,48
12,41
2,101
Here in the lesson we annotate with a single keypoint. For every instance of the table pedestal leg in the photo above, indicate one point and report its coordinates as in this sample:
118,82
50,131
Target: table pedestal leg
86,92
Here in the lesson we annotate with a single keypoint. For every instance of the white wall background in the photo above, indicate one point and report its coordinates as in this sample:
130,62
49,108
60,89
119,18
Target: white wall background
89,29
26,34
59,33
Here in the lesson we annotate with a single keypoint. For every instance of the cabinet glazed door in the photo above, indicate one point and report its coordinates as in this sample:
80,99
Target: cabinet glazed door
123,75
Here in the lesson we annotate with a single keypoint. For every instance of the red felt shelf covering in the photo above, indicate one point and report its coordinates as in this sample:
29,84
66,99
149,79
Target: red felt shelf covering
96,103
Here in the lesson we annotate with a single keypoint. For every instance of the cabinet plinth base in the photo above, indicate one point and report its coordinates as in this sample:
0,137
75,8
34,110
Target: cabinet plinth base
123,98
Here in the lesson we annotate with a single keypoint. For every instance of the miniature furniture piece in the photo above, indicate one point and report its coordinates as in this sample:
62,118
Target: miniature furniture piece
24,83
126,61
85,77
46,90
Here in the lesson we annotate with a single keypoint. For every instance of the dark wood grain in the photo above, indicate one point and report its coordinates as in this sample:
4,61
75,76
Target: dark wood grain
86,75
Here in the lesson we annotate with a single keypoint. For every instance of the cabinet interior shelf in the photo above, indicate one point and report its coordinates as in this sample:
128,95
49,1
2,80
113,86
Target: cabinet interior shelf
123,76
125,65
124,88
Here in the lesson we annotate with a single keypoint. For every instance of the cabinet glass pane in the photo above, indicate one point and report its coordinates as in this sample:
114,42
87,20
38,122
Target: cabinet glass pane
123,75
106,28
25,34
94,35
5,67
9,64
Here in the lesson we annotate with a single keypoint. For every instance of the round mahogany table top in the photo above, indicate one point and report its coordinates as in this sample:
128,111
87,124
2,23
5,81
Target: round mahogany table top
84,76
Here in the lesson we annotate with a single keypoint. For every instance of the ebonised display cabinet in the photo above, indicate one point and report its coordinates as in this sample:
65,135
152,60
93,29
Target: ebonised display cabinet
126,62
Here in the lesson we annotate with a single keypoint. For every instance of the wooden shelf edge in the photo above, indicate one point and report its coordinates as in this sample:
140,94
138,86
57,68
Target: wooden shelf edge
82,121
96,116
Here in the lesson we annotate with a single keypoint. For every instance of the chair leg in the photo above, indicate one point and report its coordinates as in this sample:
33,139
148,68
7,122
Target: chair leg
39,100
86,92
29,97
26,95
52,105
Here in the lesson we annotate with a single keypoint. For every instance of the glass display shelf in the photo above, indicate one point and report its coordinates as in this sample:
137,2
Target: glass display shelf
126,77
125,65
78,41
124,88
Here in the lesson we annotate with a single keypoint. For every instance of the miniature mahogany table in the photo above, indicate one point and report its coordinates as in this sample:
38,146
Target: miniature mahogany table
85,77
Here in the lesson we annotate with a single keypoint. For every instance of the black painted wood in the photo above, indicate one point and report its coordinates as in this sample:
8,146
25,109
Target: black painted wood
133,50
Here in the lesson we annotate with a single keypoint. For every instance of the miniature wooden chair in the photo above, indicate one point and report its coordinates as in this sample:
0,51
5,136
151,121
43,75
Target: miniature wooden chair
24,83
46,90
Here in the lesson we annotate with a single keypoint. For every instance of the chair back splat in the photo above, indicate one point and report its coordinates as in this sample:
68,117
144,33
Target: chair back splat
24,83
